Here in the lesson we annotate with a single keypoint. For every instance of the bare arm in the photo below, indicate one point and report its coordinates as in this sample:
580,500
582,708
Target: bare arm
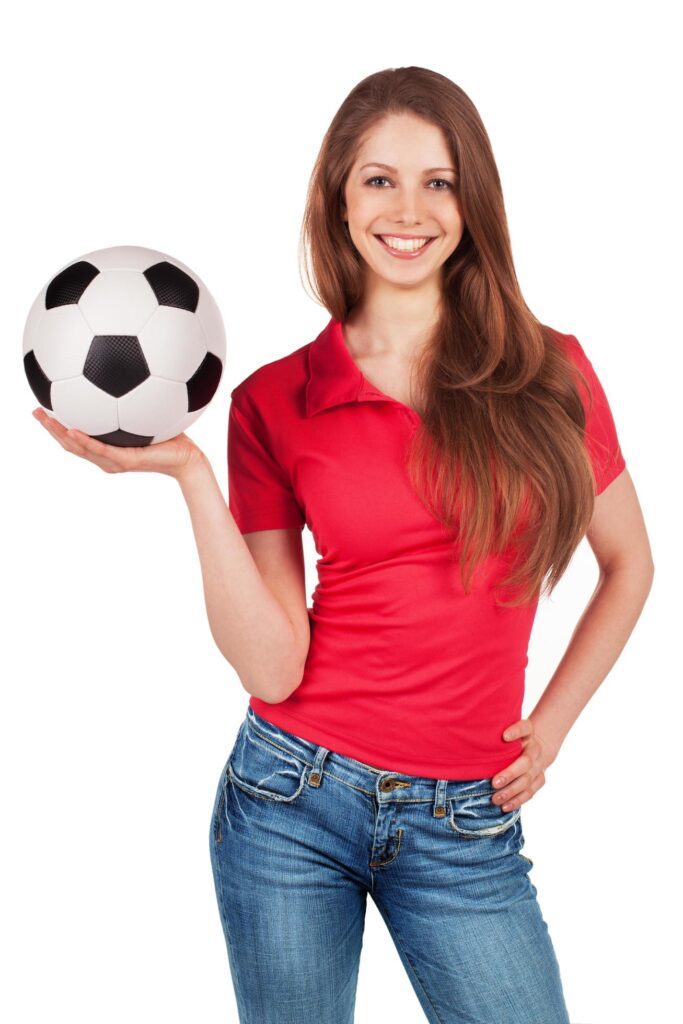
252,627
618,538
255,590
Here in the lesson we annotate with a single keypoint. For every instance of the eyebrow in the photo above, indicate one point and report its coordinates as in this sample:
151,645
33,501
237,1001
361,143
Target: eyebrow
387,167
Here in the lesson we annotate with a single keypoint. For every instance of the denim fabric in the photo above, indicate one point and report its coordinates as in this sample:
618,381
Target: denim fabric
300,835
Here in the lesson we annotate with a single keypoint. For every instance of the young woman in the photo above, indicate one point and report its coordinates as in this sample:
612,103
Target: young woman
448,453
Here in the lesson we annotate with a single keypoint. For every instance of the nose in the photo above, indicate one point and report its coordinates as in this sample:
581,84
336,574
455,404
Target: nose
408,207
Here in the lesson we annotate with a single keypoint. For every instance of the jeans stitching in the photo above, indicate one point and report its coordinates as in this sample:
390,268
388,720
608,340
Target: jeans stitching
266,794
493,830
300,761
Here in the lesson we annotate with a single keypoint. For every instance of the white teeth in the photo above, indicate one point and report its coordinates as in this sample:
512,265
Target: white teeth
404,244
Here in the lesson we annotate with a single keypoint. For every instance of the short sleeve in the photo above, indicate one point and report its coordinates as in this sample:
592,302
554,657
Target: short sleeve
260,495
600,435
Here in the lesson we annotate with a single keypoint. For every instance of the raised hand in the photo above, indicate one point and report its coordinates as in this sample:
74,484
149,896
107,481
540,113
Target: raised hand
172,457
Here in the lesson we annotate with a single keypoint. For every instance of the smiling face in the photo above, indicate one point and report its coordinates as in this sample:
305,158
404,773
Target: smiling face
412,198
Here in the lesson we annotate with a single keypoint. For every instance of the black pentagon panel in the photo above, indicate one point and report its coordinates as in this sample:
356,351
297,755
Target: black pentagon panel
40,384
172,286
115,363
124,439
201,387
67,287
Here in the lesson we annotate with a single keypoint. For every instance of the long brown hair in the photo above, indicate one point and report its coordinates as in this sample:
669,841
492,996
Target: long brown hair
499,456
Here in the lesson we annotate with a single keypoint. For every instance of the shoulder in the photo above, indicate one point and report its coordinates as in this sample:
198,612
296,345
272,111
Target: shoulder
578,356
569,342
274,385
586,378
599,419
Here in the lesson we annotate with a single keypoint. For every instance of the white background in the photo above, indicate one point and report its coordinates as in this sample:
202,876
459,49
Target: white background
193,129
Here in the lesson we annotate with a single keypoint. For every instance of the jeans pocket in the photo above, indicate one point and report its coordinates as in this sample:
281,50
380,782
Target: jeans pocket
476,817
219,805
265,770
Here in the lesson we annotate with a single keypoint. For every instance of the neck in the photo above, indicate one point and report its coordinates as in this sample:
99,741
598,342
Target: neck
391,324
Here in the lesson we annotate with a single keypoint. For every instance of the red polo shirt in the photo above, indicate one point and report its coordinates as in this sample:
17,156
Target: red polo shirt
405,672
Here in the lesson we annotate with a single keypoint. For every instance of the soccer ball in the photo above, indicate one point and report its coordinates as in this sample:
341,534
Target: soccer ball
126,344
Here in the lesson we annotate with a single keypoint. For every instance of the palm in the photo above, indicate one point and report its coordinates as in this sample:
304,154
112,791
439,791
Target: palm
169,457
163,457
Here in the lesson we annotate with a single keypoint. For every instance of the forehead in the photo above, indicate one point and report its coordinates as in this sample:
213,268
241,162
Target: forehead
405,141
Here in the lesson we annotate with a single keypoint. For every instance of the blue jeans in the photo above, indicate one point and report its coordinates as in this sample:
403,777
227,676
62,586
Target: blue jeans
300,835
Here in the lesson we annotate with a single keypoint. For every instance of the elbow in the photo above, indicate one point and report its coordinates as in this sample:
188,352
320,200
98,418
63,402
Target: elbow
641,567
264,690
289,685
267,698
270,695
293,669
635,576
273,690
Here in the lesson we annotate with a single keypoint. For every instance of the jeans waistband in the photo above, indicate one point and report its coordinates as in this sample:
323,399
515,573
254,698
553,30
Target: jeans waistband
383,783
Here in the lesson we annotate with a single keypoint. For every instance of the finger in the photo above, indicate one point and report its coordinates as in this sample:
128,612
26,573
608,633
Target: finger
521,792
526,780
524,727
74,441
59,433
522,764
517,801
98,452
514,787
94,448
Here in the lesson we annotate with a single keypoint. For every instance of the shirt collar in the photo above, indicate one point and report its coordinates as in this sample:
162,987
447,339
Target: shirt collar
333,377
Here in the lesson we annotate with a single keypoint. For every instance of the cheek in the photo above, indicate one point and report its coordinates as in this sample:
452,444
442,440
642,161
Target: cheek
364,208
456,228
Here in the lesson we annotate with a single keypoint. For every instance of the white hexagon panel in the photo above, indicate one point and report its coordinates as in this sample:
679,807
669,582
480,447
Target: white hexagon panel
126,344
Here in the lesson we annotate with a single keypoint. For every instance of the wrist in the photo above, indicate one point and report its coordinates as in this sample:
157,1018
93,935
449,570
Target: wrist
195,468
548,736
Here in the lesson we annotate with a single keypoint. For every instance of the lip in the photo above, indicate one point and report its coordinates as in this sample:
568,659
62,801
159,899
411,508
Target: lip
395,234
405,255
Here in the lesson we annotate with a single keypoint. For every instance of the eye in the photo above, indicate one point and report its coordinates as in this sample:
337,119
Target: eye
444,181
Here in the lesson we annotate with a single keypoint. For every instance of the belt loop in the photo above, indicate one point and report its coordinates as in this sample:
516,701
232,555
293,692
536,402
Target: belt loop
316,773
440,791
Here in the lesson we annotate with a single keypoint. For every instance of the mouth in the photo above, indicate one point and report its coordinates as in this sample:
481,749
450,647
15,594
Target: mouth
410,251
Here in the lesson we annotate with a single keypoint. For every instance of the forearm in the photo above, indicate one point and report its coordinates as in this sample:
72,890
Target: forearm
598,640
249,625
